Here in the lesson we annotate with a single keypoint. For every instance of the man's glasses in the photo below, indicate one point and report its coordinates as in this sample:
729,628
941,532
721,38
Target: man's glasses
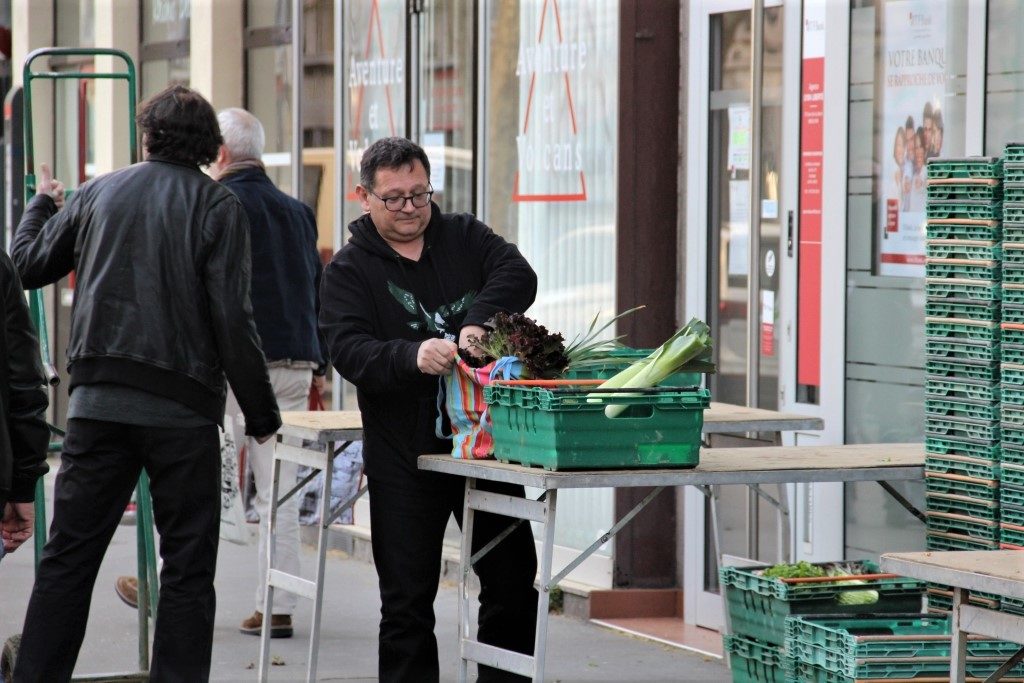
419,200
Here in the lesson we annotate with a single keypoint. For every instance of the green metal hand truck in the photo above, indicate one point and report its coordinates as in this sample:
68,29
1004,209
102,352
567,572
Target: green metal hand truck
147,574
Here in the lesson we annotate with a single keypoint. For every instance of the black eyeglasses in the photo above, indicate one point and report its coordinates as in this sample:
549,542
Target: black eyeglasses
419,200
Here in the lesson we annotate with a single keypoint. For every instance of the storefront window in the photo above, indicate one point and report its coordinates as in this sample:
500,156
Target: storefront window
908,61
551,137
165,45
1004,83
375,74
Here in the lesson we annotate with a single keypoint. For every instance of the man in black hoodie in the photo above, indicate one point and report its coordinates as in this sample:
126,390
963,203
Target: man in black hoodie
411,285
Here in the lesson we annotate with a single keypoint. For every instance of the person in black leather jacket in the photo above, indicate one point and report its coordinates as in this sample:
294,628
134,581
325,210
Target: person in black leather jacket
161,315
23,430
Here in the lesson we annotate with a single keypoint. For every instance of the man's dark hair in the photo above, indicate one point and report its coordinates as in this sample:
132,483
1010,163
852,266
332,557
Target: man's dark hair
178,124
389,153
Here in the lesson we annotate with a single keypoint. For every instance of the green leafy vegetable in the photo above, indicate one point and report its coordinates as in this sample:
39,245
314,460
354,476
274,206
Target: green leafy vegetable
800,570
514,334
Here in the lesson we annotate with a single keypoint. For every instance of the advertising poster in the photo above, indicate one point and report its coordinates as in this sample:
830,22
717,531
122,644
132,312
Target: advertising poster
914,68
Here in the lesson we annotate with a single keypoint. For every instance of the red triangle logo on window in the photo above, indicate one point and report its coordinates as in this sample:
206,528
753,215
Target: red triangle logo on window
581,195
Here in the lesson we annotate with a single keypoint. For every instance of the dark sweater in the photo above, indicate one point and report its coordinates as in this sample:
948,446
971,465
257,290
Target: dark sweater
377,307
285,267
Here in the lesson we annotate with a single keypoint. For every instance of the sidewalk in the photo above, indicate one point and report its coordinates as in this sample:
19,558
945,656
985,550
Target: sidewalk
577,651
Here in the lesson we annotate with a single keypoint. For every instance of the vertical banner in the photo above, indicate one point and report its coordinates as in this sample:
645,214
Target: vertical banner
812,123
914,67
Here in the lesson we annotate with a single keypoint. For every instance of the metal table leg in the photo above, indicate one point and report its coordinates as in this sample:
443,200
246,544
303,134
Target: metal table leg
540,643
958,660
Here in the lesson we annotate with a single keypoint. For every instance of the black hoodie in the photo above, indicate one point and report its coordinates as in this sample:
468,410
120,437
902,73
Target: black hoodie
377,307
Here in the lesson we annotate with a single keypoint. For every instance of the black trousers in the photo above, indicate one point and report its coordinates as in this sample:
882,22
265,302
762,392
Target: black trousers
100,466
407,524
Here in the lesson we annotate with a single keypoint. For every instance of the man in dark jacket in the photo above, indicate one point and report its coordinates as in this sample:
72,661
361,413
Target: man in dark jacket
23,431
410,284
285,279
161,315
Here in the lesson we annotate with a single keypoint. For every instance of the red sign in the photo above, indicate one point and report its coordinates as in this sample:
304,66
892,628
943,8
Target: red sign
812,118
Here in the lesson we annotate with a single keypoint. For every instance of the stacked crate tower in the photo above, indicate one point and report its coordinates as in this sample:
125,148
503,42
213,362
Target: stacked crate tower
962,348
1011,466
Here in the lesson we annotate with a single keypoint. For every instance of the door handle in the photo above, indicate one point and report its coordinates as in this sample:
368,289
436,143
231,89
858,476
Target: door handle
789,234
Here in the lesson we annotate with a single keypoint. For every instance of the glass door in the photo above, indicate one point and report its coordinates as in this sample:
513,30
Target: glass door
748,526
441,92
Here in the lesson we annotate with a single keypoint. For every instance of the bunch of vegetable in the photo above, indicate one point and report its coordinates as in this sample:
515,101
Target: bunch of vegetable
688,350
804,569
545,355
513,334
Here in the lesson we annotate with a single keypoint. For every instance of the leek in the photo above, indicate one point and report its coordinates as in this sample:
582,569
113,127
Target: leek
689,349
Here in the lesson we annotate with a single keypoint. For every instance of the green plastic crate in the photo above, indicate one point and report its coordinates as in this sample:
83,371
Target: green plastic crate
972,507
1011,495
955,288
1013,192
966,167
1011,333
758,606
961,328
1013,274
1012,435
1014,212
957,390
984,211
1012,395
990,600
938,540
1011,232
1013,254
1012,353
1012,605
1012,475
965,466
1011,455
962,308
961,428
619,360
1012,415
1013,313
987,371
1012,374
1013,172
967,230
937,483
1013,152
939,602
964,249
754,662
1012,534
962,269
947,447
839,643
959,409
951,523
961,349
560,429
1012,514
1013,294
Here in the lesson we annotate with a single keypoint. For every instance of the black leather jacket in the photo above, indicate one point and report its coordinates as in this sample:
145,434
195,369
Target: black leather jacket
161,257
23,431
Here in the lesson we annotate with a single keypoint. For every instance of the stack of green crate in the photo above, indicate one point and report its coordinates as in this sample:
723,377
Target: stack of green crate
963,288
848,648
1012,457
759,606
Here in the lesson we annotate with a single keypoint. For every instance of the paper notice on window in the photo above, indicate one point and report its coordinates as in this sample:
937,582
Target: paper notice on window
739,137
739,226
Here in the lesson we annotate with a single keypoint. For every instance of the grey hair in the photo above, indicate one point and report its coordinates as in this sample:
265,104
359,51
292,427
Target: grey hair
243,133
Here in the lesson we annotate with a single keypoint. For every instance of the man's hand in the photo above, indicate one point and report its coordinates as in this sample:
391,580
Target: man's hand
319,382
16,527
436,356
471,331
46,184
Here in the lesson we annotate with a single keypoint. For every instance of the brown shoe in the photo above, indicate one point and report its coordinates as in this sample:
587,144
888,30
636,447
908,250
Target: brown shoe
127,588
280,625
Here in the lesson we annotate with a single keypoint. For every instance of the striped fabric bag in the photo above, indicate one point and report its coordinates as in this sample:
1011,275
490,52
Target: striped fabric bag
465,406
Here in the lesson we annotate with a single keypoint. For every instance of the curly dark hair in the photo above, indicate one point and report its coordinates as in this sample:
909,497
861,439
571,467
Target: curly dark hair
179,124
389,153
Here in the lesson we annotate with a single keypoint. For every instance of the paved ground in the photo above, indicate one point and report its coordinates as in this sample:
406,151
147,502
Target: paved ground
577,651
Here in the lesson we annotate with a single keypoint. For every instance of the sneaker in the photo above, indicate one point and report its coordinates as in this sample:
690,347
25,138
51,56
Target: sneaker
280,625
